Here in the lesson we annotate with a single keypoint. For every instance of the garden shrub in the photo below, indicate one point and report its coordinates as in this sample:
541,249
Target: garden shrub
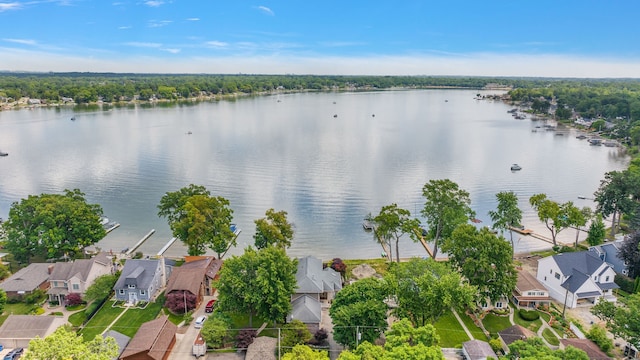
529,315
245,338
598,335
626,283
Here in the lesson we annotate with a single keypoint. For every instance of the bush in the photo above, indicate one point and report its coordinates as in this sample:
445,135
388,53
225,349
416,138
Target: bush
215,332
294,333
496,345
36,297
626,283
73,299
92,308
529,315
37,311
245,338
598,335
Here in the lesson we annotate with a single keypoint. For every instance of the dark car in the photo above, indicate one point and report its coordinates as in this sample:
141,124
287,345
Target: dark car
14,354
210,305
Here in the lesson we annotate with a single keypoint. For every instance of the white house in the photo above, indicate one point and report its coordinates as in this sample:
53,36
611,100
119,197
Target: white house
577,278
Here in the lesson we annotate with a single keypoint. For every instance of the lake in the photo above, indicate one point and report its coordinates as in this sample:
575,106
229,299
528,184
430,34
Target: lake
328,159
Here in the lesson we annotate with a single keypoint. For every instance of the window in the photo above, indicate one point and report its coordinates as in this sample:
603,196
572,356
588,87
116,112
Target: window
142,292
499,305
530,293
540,293
484,305
76,286
132,286
121,291
550,271
557,275
545,278
55,284
606,279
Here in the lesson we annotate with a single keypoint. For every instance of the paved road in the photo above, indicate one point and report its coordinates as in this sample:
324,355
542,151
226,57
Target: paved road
185,338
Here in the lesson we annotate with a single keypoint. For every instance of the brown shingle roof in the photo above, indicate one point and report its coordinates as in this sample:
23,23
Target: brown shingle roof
588,346
154,337
191,275
514,333
528,282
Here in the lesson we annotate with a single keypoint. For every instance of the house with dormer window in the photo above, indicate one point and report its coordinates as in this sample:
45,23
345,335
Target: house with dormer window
140,280
76,276
577,278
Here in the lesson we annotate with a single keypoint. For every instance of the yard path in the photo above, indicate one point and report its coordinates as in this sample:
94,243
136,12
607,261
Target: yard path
114,321
464,327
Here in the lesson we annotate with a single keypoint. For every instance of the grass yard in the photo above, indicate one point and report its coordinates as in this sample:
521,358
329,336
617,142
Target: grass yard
76,319
100,321
451,333
16,309
174,318
477,333
494,323
550,337
531,325
381,266
130,323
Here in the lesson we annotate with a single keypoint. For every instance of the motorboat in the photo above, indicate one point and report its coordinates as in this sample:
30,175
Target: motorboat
515,167
3,153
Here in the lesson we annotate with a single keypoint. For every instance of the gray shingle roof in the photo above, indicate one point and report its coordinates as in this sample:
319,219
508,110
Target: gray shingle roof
81,268
306,309
121,339
139,272
574,281
29,326
313,279
586,262
609,253
27,279
477,349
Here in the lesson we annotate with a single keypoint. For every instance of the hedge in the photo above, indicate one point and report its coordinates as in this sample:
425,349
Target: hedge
529,315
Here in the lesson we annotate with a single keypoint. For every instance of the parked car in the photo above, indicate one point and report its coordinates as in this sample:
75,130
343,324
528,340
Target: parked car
14,354
200,321
210,305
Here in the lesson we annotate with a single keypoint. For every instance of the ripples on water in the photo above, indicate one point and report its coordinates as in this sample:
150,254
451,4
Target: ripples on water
327,172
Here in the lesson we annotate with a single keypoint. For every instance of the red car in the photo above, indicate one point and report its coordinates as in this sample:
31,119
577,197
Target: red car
209,307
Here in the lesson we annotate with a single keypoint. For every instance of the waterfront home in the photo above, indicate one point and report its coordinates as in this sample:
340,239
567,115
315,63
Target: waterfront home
140,280
609,252
195,276
153,341
316,287
529,292
27,280
76,276
577,278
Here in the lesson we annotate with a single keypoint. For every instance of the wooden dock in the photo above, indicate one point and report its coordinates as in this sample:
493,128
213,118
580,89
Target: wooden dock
521,230
137,245
166,246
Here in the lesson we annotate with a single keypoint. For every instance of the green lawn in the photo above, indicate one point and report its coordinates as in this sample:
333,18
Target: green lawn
100,321
494,323
550,337
531,325
477,332
16,309
381,266
451,333
77,318
130,323
241,321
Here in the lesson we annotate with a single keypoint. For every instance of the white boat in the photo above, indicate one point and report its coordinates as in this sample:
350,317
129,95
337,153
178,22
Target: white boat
515,167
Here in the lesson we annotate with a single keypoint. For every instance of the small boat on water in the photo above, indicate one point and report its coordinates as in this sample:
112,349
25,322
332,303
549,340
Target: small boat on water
515,167
368,225
581,136
3,153
595,142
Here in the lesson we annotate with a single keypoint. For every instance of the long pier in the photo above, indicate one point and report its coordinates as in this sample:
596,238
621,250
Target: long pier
137,245
167,246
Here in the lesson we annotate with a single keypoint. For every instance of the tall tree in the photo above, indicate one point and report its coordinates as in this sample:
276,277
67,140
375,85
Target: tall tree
52,225
622,321
556,216
393,222
597,231
101,287
581,220
507,214
274,229
446,206
630,252
484,259
534,348
258,283
426,289
64,344
615,195
199,220
359,308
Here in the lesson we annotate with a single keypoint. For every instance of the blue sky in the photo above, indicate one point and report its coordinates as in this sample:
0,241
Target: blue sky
564,38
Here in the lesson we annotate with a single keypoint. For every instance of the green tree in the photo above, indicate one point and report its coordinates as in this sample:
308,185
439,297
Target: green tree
446,206
556,216
273,229
535,349
101,288
622,321
403,332
359,308
64,344
563,113
426,289
3,300
507,214
393,222
292,334
215,331
304,352
598,335
258,283
52,225
597,231
581,220
630,252
199,220
483,259
615,195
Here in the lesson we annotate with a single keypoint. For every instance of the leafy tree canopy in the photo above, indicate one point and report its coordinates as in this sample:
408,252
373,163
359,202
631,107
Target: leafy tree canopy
622,321
101,287
52,225
274,229
556,216
64,344
507,213
393,222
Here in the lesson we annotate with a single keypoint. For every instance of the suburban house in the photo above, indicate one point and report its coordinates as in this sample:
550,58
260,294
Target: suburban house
196,276
315,285
76,276
478,350
18,330
514,333
586,345
153,341
140,280
529,292
577,278
27,280
609,252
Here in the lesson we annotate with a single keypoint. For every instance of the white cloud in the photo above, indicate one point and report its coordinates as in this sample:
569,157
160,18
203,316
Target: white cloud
216,44
10,6
153,3
170,50
158,23
266,10
143,44
193,19
22,41
126,27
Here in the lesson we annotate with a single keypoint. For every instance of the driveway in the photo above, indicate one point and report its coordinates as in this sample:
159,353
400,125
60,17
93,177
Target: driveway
187,335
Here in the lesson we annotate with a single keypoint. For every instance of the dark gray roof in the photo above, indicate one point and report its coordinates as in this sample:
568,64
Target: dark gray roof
477,349
27,279
588,294
586,262
306,309
313,279
609,252
607,286
121,339
574,281
139,272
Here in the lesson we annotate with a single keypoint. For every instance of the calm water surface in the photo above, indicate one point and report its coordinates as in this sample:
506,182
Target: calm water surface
327,159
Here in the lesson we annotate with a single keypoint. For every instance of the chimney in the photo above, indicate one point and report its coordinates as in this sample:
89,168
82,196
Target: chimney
50,269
